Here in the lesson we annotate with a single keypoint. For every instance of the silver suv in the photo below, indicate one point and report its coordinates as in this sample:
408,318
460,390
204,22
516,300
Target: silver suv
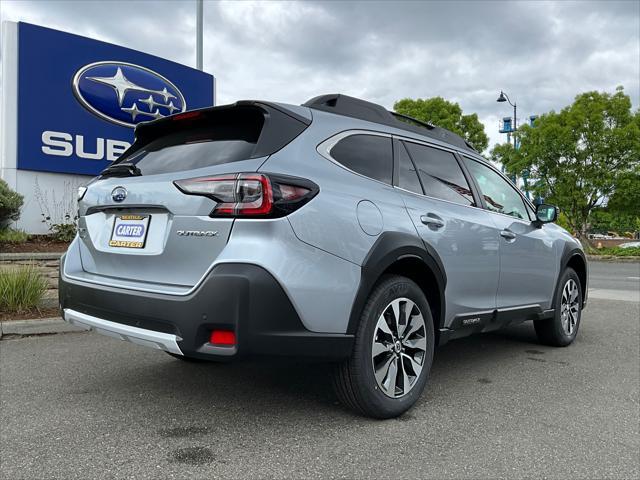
336,230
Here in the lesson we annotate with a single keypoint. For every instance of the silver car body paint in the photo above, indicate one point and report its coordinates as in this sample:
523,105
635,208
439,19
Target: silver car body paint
317,252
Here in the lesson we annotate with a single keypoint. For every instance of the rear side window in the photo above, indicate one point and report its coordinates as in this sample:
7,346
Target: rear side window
440,174
210,137
407,174
368,155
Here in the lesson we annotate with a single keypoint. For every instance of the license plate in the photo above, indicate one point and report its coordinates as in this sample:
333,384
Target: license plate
130,231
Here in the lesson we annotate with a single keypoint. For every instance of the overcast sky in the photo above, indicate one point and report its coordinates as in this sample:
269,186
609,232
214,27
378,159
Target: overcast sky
541,53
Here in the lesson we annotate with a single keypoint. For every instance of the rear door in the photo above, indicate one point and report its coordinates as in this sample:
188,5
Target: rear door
528,265
136,226
446,215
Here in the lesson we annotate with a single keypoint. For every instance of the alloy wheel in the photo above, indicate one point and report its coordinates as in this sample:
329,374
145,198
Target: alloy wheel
399,347
569,308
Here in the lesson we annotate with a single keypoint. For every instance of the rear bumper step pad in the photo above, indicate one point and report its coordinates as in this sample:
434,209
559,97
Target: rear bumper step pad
139,336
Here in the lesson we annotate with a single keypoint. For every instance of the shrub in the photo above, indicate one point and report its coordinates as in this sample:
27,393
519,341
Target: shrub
63,232
10,204
21,288
618,252
10,235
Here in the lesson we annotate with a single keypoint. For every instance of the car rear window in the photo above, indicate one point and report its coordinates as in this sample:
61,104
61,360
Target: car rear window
186,152
212,137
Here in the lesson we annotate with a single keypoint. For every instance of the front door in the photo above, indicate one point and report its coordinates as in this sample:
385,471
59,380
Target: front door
528,266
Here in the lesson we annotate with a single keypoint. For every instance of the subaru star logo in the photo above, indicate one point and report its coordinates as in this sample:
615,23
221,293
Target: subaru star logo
119,194
126,94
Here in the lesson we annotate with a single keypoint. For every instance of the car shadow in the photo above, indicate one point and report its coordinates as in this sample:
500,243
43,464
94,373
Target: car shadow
273,387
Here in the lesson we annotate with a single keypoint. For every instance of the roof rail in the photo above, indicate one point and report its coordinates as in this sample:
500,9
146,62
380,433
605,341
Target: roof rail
406,118
372,112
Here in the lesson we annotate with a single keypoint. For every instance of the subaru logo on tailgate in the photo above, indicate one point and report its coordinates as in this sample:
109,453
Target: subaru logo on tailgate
119,194
126,94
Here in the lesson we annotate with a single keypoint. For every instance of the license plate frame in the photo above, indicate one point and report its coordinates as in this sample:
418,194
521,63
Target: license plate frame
122,237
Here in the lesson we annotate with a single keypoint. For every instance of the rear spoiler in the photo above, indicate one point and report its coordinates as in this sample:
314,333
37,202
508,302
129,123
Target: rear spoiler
280,125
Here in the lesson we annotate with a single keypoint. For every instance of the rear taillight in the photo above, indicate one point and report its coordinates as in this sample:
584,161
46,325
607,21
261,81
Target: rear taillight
251,194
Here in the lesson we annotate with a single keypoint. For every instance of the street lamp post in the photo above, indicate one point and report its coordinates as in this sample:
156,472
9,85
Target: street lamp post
505,98
199,9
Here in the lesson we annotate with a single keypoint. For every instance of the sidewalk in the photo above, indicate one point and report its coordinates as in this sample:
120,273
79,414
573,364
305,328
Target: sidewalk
612,258
45,326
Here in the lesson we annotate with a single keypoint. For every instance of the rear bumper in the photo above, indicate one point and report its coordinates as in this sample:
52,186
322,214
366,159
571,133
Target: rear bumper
241,297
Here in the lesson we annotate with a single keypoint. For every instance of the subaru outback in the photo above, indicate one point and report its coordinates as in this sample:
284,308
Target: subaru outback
335,230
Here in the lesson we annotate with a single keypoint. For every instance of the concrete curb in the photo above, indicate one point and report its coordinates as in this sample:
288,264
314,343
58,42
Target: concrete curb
16,257
38,326
612,259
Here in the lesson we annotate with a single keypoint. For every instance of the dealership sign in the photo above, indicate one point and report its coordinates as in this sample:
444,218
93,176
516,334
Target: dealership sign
80,99
105,94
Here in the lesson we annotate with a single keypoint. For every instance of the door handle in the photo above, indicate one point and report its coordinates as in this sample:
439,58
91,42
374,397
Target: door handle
507,234
432,221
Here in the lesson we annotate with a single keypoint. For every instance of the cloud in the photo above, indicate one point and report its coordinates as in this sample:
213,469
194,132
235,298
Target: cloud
541,53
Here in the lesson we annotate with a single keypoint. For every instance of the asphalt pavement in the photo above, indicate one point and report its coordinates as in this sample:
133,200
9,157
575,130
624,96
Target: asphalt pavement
80,405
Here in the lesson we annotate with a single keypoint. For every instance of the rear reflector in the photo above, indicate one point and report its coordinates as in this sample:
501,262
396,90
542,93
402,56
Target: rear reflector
223,337
253,195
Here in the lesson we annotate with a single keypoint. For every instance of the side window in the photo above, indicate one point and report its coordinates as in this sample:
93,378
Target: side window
440,174
368,155
407,175
498,194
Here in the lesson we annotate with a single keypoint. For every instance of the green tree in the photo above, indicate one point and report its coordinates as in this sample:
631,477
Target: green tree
579,156
445,114
503,153
622,211
602,220
625,199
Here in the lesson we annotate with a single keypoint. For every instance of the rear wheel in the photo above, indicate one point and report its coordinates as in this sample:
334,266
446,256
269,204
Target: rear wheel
393,351
561,330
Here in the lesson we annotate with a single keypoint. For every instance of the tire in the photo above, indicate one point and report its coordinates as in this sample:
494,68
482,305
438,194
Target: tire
562,329
355,382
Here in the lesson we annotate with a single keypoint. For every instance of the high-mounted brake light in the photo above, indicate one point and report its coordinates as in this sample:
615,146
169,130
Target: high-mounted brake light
186,115
251,194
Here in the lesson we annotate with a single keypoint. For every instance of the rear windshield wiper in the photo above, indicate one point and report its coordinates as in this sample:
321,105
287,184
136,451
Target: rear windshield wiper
124,169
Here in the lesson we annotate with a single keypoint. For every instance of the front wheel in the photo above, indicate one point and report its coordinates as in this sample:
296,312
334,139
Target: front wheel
393,351
561,330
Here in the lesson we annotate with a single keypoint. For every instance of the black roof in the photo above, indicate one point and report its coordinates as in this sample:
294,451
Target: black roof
372,112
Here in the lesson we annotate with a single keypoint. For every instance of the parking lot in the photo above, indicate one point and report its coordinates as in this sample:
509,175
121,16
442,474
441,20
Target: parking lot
80,405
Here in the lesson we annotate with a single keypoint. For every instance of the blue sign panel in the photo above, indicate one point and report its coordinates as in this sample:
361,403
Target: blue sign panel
79,99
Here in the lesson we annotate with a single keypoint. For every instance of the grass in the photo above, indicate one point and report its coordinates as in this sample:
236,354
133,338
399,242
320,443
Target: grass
617,251
9,235
21,288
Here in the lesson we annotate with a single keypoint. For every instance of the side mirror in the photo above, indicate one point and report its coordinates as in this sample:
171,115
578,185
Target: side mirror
546,213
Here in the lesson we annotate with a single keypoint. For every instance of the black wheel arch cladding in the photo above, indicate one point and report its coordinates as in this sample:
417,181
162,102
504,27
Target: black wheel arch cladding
574,257
393,248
